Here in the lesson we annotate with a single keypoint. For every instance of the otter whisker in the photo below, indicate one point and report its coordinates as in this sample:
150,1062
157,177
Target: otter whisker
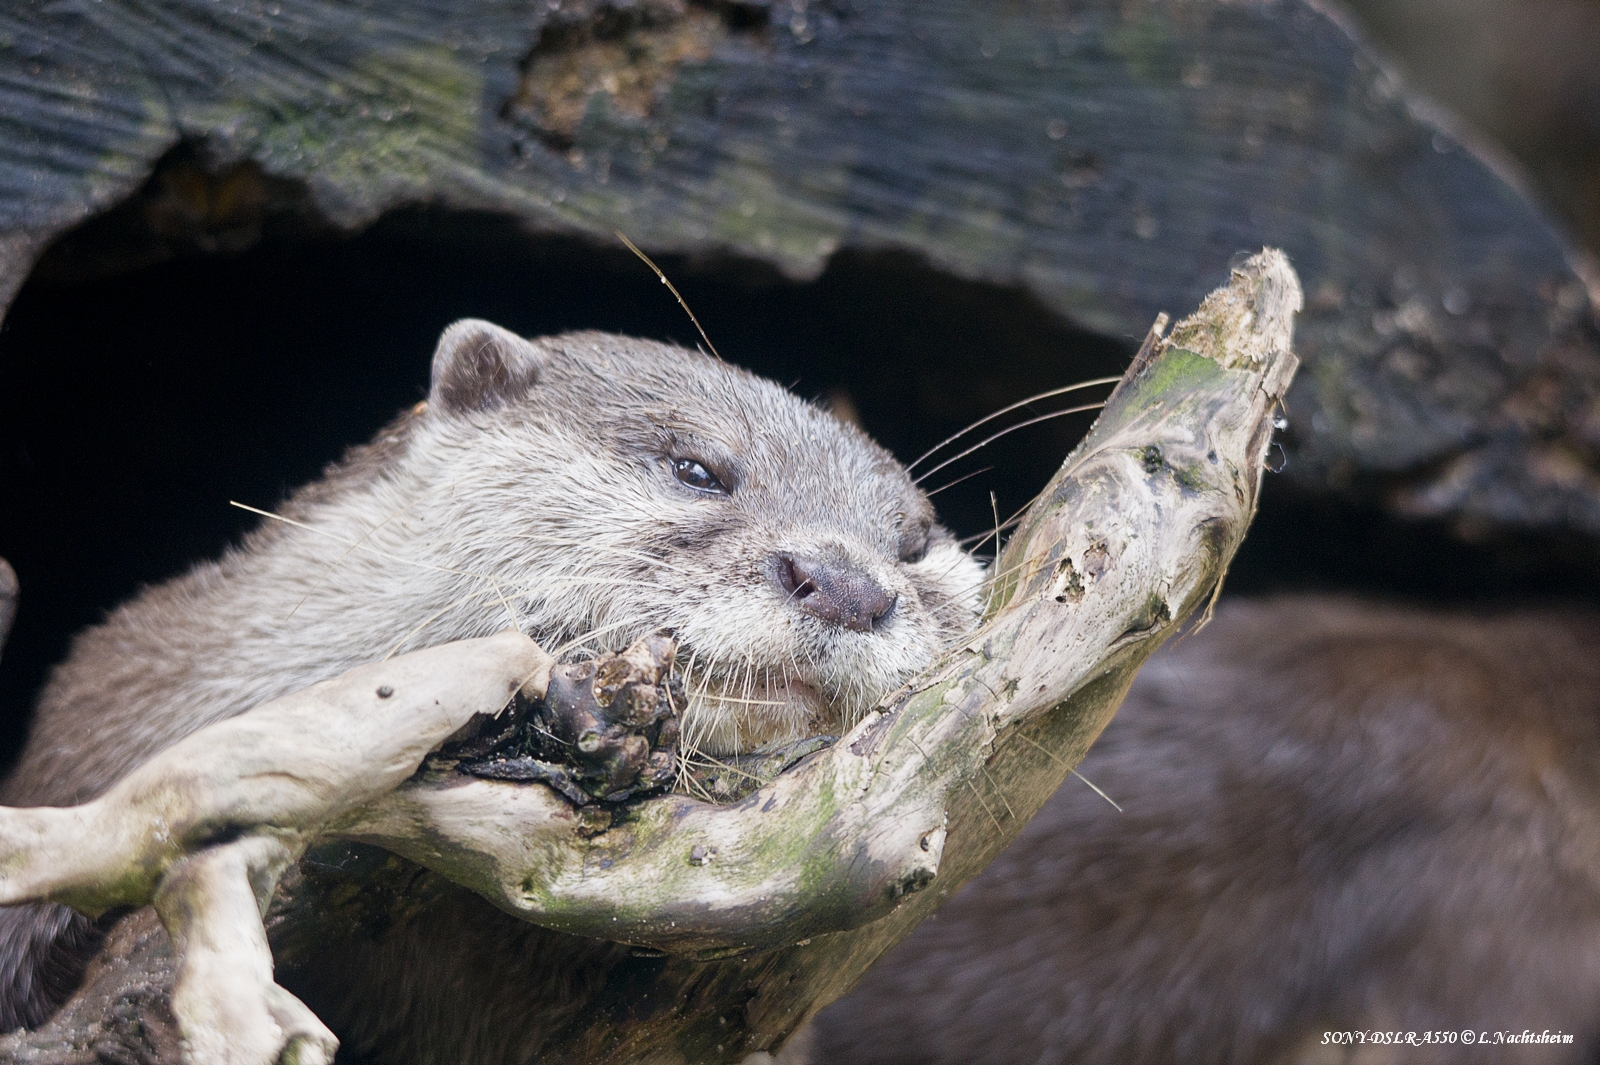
356,543
794,663
690,694
1008,429
1002,795
1021,512
591,634
951,484
994,508
691,727
740,684
511,612
708,762
748,690
1054,757
360,544
546,733
696,789
1009,523
670,288
920,459
979,539
998,575
979,795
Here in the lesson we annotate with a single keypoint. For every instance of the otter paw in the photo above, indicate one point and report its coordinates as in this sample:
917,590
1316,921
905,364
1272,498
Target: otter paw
606,729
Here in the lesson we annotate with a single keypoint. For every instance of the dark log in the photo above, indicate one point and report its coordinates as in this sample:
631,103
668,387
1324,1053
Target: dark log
1102,156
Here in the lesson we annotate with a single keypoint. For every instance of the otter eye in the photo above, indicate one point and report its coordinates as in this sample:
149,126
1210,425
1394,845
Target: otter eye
696,476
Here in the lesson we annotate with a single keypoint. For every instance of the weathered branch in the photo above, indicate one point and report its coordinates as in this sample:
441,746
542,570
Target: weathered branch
286,769
824,867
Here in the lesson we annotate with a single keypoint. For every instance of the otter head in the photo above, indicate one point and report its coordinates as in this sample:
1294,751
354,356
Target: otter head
615,487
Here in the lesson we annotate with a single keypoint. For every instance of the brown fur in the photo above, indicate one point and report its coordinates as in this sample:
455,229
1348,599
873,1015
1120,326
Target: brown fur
1337,816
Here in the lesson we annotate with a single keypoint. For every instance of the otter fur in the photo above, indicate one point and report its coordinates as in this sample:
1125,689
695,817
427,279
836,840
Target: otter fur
1337,817
587,489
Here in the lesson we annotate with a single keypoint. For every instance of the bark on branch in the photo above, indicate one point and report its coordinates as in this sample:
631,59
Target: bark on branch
820,870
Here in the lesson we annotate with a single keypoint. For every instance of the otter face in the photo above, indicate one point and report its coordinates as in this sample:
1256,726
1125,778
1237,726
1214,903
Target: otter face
619,487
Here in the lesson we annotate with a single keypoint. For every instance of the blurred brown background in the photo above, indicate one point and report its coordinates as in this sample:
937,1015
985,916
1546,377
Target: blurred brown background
1526,72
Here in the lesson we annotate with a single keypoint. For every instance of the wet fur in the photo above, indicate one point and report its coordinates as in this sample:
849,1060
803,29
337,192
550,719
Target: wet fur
533,489
1337,816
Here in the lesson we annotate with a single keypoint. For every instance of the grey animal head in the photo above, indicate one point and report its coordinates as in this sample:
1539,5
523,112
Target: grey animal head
592,488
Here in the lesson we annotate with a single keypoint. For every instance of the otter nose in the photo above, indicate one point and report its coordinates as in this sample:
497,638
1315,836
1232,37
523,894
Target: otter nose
833,591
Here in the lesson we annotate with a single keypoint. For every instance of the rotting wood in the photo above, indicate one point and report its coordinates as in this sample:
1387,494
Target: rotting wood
769,907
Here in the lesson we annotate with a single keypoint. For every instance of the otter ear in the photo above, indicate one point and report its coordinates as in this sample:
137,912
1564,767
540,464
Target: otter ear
478,367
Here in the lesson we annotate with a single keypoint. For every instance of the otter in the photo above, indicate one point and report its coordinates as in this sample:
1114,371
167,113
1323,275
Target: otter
585,488
1337,817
